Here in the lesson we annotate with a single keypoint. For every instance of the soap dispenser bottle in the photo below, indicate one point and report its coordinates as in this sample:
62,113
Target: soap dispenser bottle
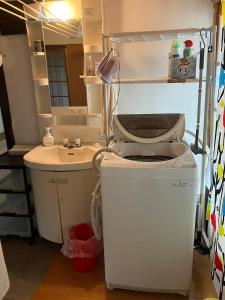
48,139
175,52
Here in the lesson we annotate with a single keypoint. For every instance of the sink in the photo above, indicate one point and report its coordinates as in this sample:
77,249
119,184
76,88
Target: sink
59,158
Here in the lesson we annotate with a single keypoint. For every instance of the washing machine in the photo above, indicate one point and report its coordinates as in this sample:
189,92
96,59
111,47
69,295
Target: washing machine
149,193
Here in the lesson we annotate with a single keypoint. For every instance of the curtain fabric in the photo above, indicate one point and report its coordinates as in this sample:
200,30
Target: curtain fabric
216,204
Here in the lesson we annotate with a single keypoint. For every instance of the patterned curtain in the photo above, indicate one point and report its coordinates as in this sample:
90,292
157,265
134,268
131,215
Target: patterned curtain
217,192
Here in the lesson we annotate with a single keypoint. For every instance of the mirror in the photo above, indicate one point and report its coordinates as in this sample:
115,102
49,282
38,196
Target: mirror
65,63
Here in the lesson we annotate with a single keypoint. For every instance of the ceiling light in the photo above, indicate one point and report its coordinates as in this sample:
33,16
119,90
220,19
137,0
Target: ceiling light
62,10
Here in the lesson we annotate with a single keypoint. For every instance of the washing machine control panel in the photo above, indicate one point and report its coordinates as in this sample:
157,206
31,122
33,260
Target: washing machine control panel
180,183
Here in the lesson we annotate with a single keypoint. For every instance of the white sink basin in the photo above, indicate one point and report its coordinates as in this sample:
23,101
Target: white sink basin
59,158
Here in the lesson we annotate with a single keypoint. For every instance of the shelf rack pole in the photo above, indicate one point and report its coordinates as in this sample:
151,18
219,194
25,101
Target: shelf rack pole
105,95
217,36
201,233
210,126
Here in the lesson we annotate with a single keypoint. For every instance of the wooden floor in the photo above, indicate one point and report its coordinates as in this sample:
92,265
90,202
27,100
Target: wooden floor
62,283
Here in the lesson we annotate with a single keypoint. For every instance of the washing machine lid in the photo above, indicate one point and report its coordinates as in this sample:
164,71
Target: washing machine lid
149,128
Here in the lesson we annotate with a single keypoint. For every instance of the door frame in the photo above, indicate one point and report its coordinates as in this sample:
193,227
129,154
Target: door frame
5,109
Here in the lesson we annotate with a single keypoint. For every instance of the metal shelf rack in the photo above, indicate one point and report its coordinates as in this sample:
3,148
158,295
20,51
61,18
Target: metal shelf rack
150,36
15,162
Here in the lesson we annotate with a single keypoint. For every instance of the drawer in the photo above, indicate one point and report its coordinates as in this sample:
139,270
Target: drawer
12,180
13,203
15,226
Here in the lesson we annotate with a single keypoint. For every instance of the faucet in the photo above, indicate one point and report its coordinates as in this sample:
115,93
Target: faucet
68,144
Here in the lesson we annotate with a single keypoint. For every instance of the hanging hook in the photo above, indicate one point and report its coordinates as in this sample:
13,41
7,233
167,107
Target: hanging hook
210,47
203,41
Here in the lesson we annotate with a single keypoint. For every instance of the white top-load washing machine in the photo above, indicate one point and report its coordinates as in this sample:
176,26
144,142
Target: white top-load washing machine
149,193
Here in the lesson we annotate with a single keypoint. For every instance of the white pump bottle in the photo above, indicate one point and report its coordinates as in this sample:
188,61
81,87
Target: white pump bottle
48,139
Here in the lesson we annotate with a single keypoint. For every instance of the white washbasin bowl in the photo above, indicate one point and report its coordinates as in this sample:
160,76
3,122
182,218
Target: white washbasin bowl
59,158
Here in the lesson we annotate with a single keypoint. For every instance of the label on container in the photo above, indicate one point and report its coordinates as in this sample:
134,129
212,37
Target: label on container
183,68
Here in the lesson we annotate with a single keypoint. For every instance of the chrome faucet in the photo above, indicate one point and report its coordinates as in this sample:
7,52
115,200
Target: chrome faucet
68,144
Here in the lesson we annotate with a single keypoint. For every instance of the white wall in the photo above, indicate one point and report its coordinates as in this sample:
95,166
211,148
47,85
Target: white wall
138,15
141,59
17,69
151,59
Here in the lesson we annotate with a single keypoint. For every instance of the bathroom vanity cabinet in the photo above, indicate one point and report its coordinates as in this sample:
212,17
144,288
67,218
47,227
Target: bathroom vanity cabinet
62,199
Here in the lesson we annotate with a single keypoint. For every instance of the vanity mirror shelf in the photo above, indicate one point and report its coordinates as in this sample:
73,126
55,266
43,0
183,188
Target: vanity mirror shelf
57,68
38,53
91,79
58,61
42,81
39,67
93,48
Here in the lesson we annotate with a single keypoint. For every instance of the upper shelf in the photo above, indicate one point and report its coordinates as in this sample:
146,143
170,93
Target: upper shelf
148,36
97,80
153,80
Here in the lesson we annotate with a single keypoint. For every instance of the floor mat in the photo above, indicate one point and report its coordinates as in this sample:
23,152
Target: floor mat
27,265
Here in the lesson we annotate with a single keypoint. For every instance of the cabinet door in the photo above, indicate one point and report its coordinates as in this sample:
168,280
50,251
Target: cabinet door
75,189
47,205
